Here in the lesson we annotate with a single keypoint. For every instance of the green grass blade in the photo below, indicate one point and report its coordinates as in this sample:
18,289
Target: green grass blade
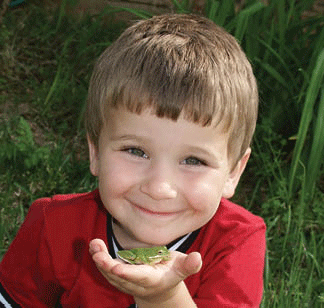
61,14
243,18
316,156
271,52
211,10
282,22
139,13
274,73
318,47
181,6
219,11
307,115
52,90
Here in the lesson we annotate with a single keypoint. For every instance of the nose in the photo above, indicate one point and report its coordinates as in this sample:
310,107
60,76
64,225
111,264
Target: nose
159,184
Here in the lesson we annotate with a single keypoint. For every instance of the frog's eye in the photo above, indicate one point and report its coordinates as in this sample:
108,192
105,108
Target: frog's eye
160,252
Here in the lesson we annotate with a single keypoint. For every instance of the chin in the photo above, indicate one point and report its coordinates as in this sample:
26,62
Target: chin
155,240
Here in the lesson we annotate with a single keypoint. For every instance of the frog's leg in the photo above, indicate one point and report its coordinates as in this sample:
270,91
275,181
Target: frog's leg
128,256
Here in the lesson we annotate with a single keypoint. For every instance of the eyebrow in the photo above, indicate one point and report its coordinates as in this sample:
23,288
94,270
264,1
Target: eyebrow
127,137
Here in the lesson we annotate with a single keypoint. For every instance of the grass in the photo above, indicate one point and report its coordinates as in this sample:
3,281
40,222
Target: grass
46,58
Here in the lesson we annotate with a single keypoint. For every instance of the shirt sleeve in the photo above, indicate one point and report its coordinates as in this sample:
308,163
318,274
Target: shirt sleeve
26,272
236,279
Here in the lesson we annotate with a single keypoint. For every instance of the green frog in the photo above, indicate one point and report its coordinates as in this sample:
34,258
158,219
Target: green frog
151,256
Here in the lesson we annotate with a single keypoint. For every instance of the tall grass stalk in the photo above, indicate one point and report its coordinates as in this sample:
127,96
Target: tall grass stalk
316,157
292,282
182,7
315,84
61,14
243,18
219,11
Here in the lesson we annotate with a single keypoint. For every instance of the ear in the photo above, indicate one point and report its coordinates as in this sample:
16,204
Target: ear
94,157
234,176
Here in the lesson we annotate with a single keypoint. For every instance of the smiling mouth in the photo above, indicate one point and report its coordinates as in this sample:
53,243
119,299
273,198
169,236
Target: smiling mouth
153,212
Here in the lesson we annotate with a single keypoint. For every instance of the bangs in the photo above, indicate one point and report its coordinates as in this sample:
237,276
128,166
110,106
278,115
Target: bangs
181,83
167,103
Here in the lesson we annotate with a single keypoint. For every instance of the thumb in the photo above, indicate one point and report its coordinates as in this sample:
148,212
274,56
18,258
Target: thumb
97,245
191,264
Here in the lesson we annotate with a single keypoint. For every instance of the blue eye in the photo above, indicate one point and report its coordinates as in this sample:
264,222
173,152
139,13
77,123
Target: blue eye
193,161
136,152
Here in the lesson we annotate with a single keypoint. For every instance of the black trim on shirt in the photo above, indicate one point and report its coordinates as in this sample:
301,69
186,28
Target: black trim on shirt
110,236
184,247
7,299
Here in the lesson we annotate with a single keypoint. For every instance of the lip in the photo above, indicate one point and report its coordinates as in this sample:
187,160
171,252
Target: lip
154,213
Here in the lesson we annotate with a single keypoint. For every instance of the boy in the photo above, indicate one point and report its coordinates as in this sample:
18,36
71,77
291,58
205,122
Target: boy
171,111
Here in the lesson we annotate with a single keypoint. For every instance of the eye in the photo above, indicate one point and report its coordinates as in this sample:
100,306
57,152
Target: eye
194,161
136,152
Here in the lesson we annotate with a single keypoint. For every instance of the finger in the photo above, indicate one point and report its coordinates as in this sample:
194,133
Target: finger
103,261
193,263
97,245
101,256
189,264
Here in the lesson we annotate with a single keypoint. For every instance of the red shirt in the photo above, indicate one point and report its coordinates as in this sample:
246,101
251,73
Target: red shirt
48,263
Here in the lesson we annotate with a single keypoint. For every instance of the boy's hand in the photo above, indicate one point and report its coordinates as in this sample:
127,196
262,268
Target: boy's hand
158,284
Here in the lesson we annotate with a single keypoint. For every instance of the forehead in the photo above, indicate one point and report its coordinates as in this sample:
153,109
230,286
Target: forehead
164,134
110,114
122,117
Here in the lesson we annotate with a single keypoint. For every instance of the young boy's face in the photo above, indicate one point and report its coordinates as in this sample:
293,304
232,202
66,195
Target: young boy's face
161,179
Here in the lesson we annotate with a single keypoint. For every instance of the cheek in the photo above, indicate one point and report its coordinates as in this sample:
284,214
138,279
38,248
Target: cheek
204,194
115,177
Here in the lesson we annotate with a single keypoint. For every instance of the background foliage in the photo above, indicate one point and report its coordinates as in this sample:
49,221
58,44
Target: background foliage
46,58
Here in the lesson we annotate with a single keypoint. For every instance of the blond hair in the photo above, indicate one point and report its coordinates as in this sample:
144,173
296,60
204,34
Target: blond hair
177,64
